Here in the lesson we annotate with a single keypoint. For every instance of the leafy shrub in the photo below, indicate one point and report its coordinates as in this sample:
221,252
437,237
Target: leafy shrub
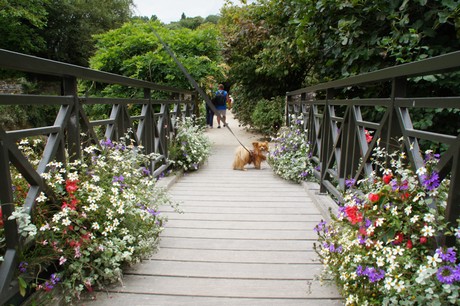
267,117
290,155
383,248
104,214
190,147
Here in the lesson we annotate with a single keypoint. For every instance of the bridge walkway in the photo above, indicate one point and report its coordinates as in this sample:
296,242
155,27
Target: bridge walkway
244,238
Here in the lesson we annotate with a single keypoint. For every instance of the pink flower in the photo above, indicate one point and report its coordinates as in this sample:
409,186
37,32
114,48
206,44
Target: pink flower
62,260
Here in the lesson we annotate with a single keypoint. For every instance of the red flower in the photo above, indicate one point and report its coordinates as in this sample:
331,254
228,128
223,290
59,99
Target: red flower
363,231
399,238
368,136
387,178
423,240
373,197
409,244
71,186
353,215
405,195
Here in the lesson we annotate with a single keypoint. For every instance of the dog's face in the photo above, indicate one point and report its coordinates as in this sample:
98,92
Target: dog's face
261,146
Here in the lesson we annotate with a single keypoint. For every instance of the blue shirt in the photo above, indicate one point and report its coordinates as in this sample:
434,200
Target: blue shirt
222,107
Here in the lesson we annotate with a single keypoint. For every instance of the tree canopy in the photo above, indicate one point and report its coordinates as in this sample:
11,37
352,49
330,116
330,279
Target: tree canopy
134,51
274,46
59,29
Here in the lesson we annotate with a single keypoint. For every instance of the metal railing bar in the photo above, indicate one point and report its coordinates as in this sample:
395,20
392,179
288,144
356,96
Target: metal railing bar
111,101
361,102
430,66
101,122
435,137
429,102
35,99
19,134
28,63
368,124
337,119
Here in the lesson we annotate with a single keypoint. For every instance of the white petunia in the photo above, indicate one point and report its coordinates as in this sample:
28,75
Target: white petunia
408,210
41,198
427,231
429,217
434,260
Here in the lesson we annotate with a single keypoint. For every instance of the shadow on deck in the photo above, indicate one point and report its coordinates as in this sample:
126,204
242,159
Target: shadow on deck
245,238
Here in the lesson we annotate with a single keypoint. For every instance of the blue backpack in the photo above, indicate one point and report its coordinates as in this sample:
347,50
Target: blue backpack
220,99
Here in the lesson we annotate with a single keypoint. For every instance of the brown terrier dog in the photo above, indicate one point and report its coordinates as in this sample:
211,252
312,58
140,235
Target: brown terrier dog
256,156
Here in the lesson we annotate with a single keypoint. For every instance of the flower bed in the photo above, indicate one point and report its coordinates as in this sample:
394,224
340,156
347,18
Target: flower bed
385,246
191,147
290,156
104,215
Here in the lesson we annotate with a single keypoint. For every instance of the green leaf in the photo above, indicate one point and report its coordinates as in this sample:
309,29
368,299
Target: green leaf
22,286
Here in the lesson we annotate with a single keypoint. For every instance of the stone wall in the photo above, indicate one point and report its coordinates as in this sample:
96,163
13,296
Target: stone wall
10,87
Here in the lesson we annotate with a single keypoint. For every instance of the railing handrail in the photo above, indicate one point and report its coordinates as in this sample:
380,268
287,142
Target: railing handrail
432,65
28,63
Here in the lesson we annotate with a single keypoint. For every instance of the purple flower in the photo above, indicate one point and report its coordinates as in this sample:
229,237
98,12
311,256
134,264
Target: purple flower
54,278
360,271
448,255
431,156
118,179
373,274
350,182
320,227
362,239
403,186
153,212
430,181
368,223
447,275
145,171
107,143
23,266
341,212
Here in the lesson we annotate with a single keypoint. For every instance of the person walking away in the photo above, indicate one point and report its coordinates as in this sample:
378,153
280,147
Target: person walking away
221,99
209,115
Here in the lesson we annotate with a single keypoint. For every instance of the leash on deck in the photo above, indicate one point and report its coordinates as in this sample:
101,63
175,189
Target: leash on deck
195,85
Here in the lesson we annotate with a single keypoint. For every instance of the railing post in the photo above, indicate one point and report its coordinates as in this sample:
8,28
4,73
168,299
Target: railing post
398,90
286,110
326,141
453,200
145,127
69,88
8,266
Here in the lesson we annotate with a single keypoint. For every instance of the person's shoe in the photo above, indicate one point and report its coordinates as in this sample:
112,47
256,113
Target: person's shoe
218,126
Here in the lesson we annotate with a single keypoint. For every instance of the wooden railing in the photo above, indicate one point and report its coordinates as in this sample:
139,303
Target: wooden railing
336,127
72,130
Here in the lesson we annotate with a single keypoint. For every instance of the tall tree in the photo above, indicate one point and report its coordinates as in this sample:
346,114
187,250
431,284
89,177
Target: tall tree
20,22
72,24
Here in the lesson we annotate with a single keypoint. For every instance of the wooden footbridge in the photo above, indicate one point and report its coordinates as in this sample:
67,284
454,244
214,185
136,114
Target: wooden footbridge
244,238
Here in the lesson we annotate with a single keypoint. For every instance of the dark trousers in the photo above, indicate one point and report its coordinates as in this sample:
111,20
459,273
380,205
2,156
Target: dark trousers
209,116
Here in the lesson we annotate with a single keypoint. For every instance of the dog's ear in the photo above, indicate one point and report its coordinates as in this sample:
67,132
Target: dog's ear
255,144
